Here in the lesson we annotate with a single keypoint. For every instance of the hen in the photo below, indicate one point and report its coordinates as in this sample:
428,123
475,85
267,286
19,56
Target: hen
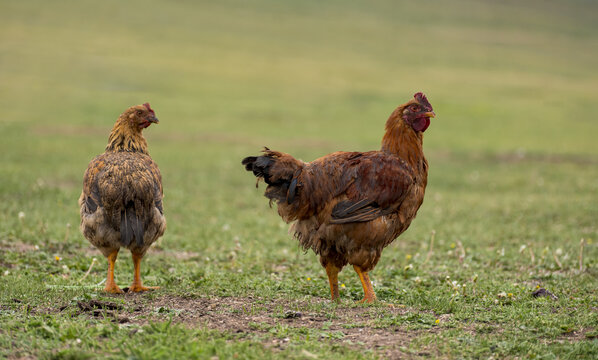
348,206
121,202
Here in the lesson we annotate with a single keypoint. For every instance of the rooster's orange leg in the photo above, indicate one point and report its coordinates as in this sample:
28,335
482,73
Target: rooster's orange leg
111,286
137,285
332,272
368,290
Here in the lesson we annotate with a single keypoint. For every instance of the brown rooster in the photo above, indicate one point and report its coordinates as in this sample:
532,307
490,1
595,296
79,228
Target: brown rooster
348,206
121,202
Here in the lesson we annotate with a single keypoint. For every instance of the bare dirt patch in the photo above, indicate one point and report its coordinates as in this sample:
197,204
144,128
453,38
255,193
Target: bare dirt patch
351,325
17,246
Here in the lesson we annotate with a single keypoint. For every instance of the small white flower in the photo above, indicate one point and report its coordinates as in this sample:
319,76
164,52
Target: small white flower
522,248
559,251
78,341
21,215
6,272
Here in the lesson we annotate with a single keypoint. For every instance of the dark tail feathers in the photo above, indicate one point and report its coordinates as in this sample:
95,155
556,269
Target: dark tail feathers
280,171
130,226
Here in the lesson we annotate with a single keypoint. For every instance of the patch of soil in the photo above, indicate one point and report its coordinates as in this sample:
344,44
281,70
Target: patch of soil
353,326
577,335
17,246
98,308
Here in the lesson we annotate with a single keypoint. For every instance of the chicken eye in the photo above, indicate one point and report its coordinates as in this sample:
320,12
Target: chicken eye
139,112
414,108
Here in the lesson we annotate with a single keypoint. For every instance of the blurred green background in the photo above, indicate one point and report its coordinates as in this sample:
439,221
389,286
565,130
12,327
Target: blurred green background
511,82
503,76
513,151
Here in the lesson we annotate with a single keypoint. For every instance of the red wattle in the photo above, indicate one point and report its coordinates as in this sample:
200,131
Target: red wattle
421,124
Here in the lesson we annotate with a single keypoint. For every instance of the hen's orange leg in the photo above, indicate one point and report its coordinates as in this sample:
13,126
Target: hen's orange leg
137,285
368,290
332,272
111,286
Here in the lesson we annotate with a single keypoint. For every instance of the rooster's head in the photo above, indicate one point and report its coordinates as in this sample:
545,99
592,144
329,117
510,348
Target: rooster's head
140,116
417,112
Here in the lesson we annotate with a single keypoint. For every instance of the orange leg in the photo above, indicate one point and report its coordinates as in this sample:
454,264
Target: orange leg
111,286
332,272
137,285
368,290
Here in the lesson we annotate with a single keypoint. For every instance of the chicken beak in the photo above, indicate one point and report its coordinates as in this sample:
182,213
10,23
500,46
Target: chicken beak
430,114
153,119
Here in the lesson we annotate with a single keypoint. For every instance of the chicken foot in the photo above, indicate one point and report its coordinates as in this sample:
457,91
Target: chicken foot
368,290
111,286
137,285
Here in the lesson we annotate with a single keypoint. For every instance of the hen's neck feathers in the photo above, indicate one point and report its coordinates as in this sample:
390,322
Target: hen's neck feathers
125,137
401,140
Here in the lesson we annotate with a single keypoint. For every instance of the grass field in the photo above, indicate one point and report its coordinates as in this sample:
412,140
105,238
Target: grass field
513,184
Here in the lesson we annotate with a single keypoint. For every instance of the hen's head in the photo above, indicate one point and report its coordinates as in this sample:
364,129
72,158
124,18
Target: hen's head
140,116
417,112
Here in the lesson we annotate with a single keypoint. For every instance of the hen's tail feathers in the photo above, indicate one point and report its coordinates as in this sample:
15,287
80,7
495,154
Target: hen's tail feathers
130,226
279,170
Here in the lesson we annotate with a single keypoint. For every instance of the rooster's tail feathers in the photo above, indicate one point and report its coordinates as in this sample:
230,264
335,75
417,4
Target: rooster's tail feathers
279,170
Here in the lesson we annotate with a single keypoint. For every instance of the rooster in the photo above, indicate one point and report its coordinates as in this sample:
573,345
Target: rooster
121,202
348,206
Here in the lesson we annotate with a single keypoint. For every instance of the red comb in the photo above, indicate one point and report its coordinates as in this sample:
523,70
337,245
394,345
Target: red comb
422,100
147,106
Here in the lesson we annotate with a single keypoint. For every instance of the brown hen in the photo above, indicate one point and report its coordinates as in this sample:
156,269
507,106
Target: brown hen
348,206
121,202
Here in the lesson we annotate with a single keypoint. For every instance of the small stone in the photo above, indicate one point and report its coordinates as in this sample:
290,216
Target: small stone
541,292
292,315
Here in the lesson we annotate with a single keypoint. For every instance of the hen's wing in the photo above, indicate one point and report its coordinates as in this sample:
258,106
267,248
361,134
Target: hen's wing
127,186
375,185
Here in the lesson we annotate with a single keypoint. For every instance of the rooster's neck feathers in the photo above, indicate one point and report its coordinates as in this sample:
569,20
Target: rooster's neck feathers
401,140
125,137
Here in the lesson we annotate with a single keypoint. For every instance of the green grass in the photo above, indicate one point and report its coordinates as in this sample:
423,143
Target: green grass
513,172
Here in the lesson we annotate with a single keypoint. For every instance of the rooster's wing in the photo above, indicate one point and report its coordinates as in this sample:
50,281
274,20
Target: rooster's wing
375,185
